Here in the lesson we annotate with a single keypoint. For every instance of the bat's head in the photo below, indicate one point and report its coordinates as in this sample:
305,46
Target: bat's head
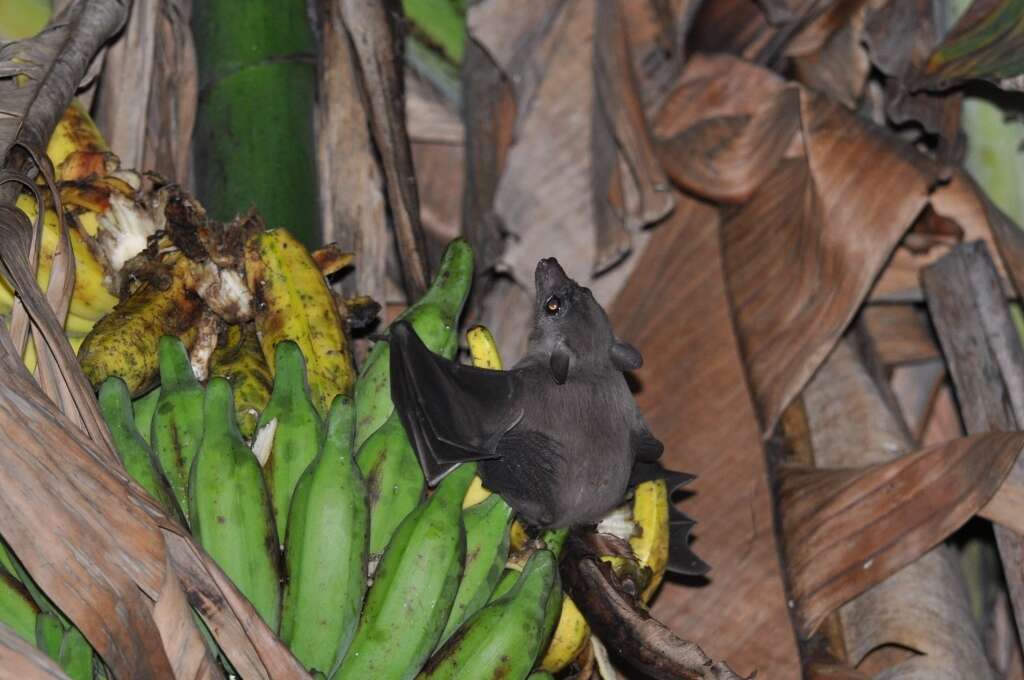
567,312
566,315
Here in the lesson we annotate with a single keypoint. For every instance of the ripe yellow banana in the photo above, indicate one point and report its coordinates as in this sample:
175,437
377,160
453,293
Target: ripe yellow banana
293,302
650,545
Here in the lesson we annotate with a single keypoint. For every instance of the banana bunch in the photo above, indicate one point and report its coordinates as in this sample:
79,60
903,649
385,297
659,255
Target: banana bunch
334,539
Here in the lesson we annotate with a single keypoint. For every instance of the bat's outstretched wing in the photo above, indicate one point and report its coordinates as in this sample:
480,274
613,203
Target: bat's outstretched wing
681,559
451,412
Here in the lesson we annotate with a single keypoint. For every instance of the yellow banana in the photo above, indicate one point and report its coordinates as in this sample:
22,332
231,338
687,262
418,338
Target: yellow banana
485,354
293,302
76,147
650,545
570,638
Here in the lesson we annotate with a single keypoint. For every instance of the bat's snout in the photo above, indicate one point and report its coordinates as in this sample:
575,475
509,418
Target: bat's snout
549,275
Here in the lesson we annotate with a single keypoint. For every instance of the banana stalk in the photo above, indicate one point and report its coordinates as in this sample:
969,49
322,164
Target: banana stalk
254,141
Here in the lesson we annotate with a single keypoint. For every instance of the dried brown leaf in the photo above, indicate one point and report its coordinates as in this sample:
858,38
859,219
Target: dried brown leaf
371,30
853,421
352,200
849,529
901,333
694,396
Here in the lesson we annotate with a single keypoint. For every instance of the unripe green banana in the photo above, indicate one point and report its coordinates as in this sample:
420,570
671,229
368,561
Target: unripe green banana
76,656
297,434
540,675
230,508
132,449
49,635
177,426
144,407
394,480
326,548
17,609
434,317
487,525
413,589
241,361
504,638
506,582
7,559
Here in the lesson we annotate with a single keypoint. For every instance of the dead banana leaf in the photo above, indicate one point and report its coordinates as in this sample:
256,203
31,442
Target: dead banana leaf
694,395
852,422
847,530
901,333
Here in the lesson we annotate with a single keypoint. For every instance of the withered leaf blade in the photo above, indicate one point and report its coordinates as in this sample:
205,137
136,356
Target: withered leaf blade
694,396
853,421
849,529
728,157
801,255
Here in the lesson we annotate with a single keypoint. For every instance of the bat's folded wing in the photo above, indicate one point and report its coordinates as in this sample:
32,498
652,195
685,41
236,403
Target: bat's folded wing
451,412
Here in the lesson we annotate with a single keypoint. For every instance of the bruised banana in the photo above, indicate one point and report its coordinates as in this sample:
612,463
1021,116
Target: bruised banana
413,589
326,549
132,449
394,480
504,638
434,318
293,302
241,361
176,430
229,506
487,526
125,342
484,351
295,434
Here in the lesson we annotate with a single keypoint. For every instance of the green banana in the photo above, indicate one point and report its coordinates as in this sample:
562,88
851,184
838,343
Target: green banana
7,559
241,361
394,480
132,449
505,583
297,434
21,576
487,539
434,318
413,589
76,657
49,635
17,610
230,507
504,638
326,548
144,407
177,426
540,675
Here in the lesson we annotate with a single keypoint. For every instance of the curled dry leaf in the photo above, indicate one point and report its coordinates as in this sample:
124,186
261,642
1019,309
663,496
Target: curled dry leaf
847,530
853,421
694,395
901,333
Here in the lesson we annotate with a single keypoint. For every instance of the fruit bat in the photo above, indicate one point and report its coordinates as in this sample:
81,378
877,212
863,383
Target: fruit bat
559,436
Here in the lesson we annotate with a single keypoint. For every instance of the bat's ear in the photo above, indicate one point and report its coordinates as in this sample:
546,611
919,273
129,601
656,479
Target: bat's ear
559,362
625,357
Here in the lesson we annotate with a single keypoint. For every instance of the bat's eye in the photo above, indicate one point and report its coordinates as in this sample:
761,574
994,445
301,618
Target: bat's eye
553,305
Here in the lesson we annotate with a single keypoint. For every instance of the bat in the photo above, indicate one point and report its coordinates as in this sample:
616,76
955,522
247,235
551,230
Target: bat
559,435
